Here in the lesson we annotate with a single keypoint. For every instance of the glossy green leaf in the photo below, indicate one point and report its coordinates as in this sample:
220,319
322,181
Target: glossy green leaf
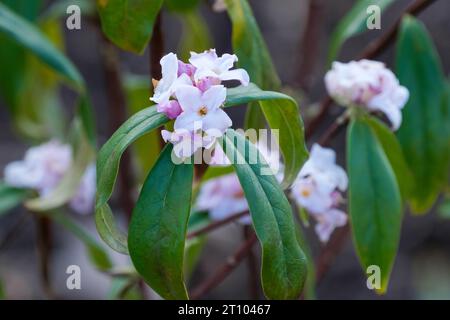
352,24
158,226
394,153
375,204
10,197
129,23
29,36
96,252
253,54
283,261
281,112
109,231
424,134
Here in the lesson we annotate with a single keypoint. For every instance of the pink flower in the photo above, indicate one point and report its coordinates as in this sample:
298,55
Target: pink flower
367,84
171,109
84,199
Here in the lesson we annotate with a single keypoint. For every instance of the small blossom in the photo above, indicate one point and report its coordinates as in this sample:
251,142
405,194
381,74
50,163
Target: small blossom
84,199
219,6
367,84
223,197
203,107
209,66
317,189
171,109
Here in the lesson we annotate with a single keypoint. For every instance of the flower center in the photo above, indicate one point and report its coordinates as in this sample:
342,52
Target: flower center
203,111
306,193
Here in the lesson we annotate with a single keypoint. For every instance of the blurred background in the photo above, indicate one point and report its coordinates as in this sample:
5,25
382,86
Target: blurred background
422,268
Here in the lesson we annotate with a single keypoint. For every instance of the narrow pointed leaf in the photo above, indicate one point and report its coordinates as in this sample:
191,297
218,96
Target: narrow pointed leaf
281,112
375,203
283,261
424,134
158,227
129,23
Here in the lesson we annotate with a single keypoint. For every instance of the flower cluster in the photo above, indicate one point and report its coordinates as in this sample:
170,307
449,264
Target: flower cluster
42,169
317,189
367,84
192,94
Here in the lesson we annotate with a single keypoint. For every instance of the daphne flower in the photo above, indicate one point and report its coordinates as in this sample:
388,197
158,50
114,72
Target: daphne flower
203,107
367,84
84,199
317,189
223,197
214,69
166,87
41,169
186,142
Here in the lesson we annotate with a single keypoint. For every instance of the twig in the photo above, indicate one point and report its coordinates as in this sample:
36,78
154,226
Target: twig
216,224
44,244
310,43
223,271
252,264
372,50
117,103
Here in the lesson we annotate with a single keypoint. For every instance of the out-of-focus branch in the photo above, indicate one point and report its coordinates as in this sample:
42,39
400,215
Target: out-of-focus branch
310,43
44,247
373,49
216,224
223,271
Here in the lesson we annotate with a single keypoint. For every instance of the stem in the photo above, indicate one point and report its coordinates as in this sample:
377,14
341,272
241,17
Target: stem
117,103
44,245
310,43
223,271
252,265
216,224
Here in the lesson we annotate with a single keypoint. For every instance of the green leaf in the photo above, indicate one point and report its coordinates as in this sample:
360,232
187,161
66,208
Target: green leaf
129,23
2,290
424,134
27,35
96,252
375,203
283,261
84,156
354,23
254,56
444,209
158,226
281,112
10,197
108,230
181,5
196,36
394,153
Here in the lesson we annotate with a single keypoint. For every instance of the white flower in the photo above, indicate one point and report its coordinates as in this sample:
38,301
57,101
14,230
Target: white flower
202,107
166,87
223,197
209,66
84,199
367,84
219,6
317,189
41,169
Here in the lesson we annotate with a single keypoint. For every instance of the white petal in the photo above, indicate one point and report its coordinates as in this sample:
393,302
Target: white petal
189,97
217,119
188,120
238,74
226,62
204,60
214,97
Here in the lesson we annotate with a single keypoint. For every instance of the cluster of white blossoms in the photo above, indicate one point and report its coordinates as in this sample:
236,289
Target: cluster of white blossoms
43,168
192,94
367,84
318,189
223,197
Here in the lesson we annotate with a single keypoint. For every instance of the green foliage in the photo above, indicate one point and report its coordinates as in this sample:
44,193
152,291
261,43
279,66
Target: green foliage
129,23
375,204
281,112
283,261
158,227
195,36
352,24
424,134
109,231
10,197
181,5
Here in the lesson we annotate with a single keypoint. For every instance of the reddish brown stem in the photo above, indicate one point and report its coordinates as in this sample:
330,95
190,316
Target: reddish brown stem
223,271
44,246
216,224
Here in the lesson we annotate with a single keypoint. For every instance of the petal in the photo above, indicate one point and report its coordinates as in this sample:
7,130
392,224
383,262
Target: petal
188,121
322,157
238,74
214,97
204,60
218,120
226,62
189,98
